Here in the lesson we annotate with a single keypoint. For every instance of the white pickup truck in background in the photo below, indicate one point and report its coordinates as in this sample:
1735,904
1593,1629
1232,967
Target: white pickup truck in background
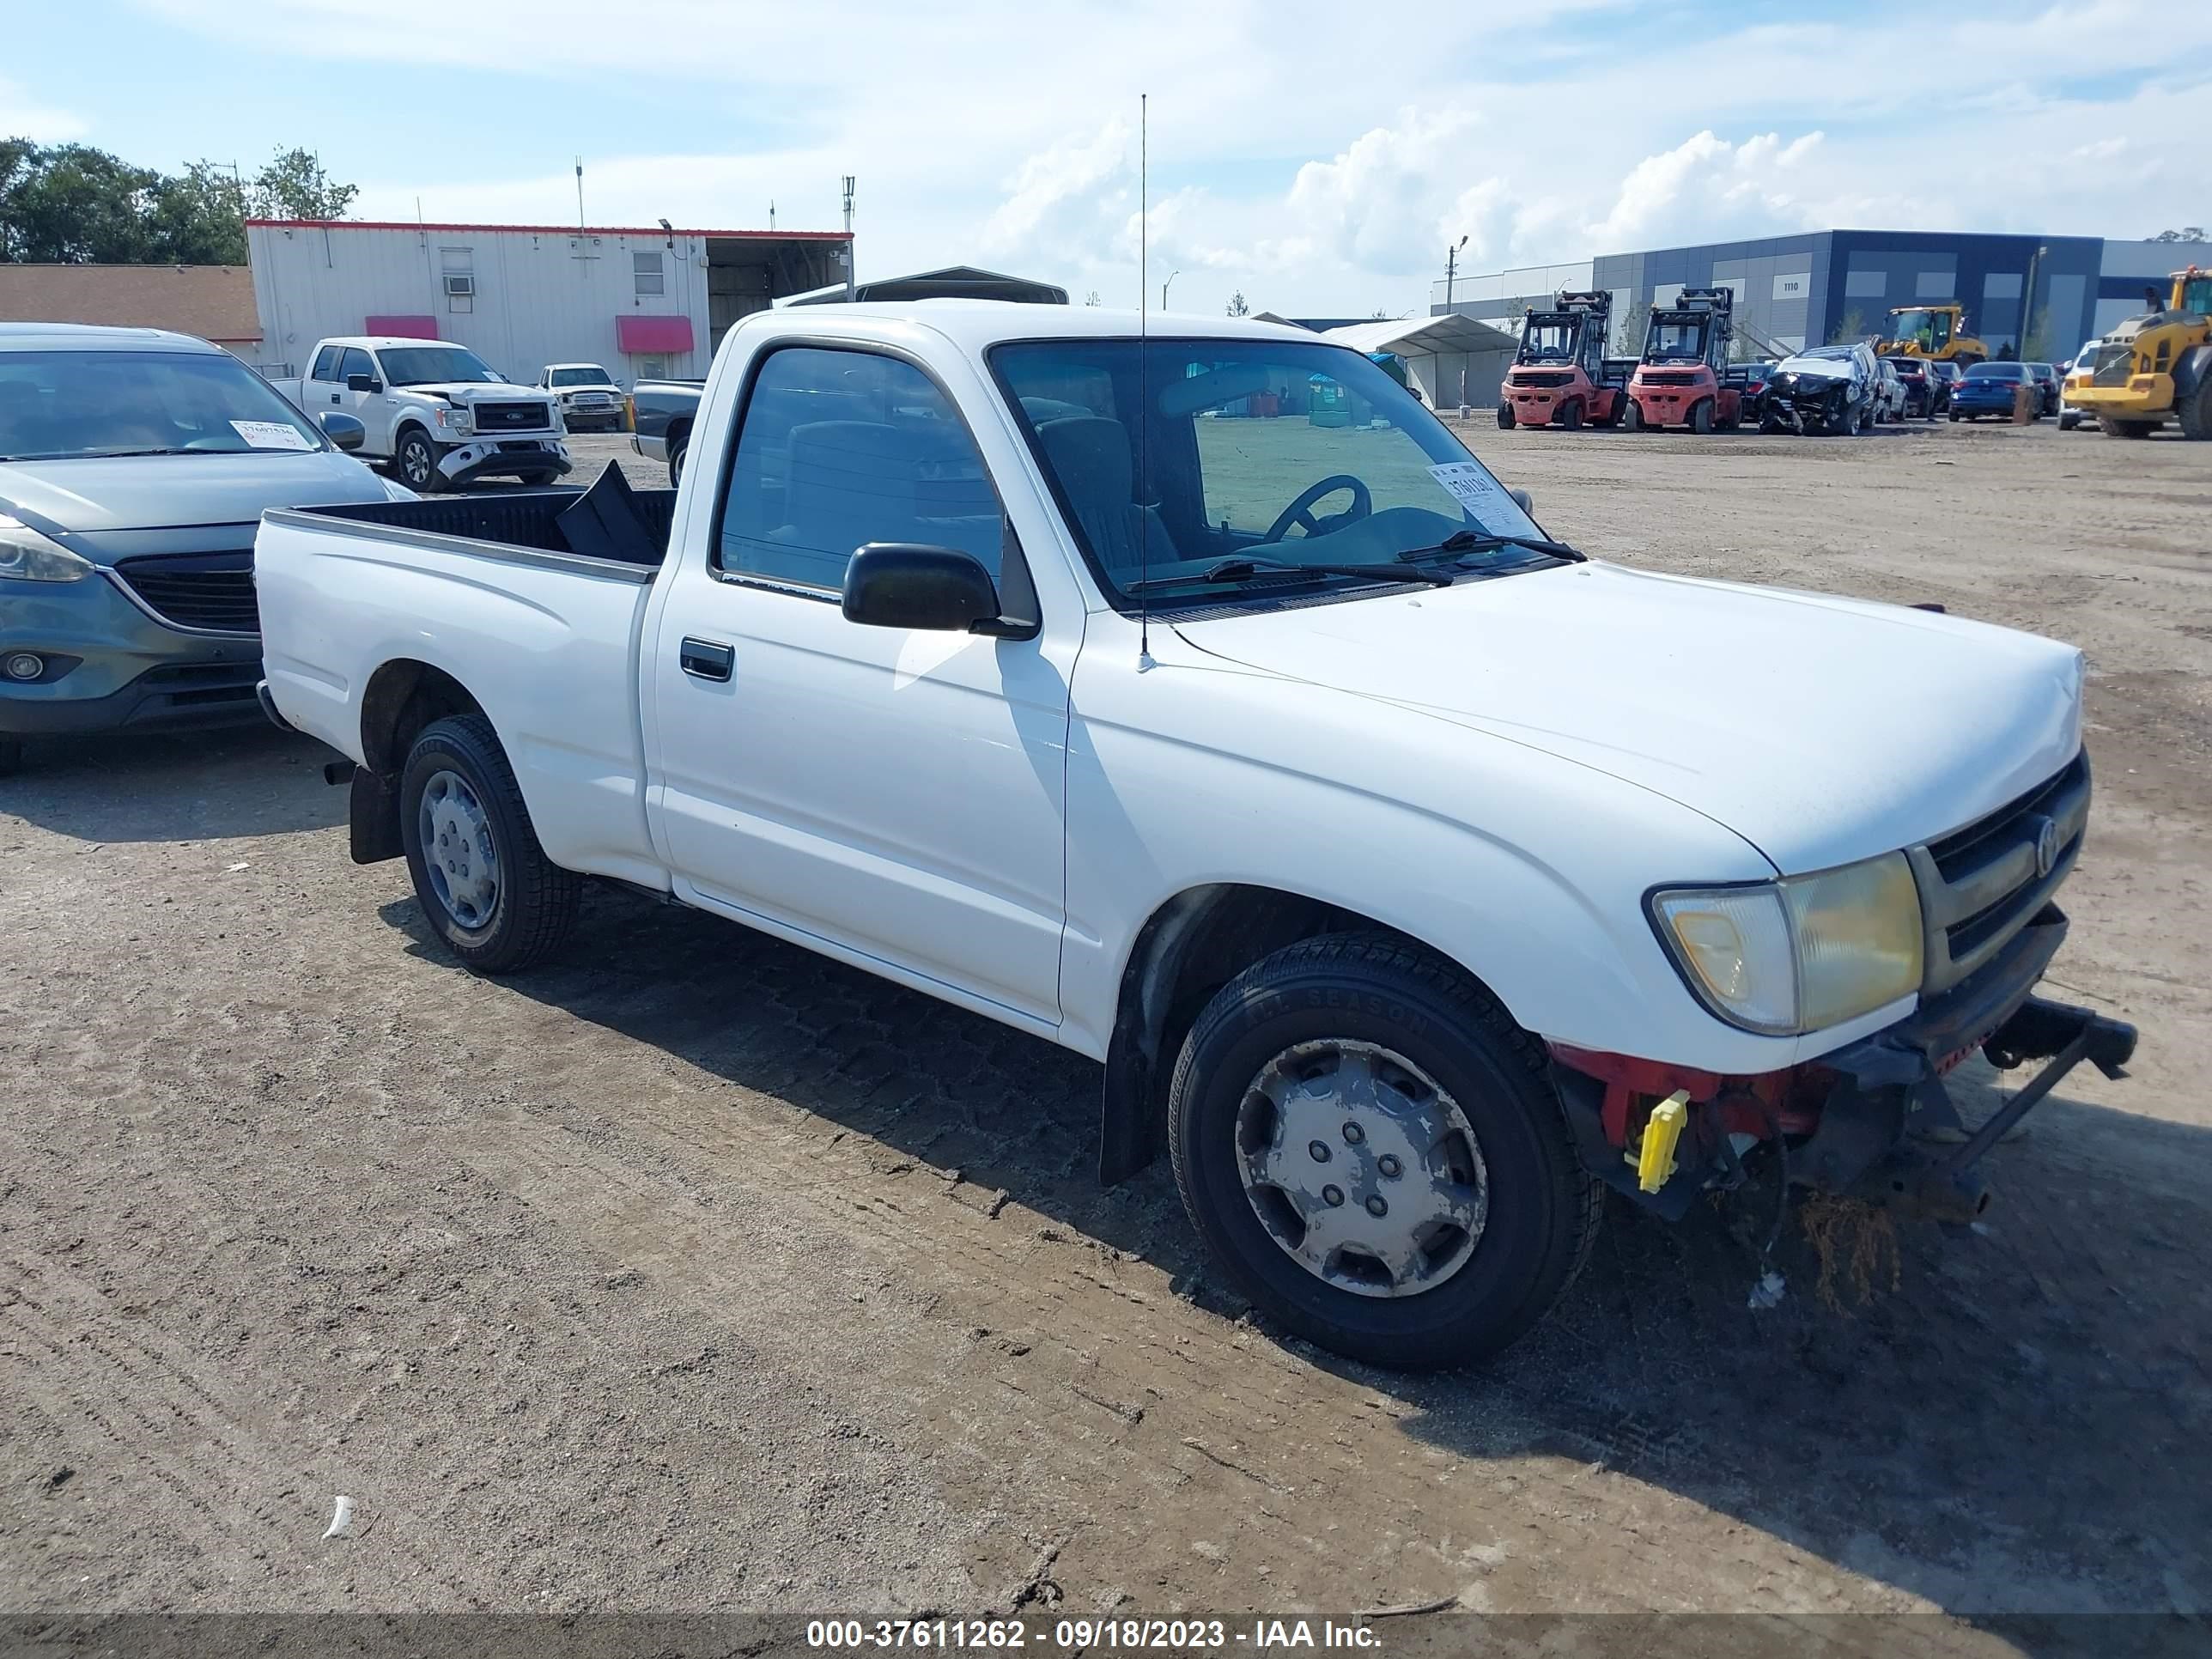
1200,704
434,411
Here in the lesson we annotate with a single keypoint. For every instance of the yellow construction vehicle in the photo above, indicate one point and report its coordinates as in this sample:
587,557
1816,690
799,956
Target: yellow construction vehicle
2155,368
1937,332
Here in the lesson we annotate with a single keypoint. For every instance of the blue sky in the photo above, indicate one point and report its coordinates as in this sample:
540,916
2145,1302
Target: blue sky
1317,157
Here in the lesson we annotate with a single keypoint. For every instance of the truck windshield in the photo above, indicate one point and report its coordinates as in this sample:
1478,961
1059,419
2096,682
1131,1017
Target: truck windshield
1176,458
76,406
1675,339
433,365
1547,342
1928,329
589,374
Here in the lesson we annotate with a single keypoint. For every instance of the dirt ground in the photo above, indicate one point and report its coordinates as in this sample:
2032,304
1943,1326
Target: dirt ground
696,1272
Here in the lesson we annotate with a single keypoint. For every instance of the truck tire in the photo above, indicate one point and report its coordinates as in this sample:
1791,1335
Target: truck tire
1632,413
678,449
1701,416
485,886
1570,417
2194,409
1290,1113
1506,417
2112,426
415,458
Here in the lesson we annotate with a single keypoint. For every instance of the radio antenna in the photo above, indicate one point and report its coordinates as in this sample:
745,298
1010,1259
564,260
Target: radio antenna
1144,390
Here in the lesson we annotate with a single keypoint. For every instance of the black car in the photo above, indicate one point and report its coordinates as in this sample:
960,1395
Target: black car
1944,375
2047,382
1925,394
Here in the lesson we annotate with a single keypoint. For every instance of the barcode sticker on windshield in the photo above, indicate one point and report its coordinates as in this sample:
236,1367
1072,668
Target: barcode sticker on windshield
272,435
1474,488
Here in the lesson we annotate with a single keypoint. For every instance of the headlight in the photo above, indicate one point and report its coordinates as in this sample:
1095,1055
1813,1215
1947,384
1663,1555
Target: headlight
26,556
1801,954
453,419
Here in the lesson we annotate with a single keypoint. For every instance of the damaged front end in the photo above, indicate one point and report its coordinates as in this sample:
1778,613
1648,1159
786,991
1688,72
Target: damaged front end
1858,1122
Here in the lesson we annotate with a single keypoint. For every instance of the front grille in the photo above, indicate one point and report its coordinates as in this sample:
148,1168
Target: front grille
510,417
204,685
1540,377
2113,365
1981,884
1670,379
197,590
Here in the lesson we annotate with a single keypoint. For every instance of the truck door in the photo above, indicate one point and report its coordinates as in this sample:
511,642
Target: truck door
325,386
371,408
900,793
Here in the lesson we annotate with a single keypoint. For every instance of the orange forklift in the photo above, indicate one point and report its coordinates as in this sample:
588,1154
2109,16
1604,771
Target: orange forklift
1684,378
1561,374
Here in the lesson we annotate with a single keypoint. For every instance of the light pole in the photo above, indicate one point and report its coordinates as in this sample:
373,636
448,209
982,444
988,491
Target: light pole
1165,286
2027,302
1451,269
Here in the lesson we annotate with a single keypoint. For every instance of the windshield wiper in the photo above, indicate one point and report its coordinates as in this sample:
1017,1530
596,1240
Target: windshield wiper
126,454
1466,541
1241,570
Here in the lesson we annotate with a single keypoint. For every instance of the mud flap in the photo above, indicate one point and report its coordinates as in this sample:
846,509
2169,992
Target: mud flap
372,818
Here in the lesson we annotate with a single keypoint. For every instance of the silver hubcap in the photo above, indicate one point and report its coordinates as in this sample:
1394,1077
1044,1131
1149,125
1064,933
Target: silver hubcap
1362,1167
414,462
457,850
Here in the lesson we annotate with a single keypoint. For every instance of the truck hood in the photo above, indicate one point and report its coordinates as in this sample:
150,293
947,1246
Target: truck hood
92,497
1819,729
1823,369
475,392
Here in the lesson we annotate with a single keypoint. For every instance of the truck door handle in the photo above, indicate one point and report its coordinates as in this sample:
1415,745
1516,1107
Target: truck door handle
707,659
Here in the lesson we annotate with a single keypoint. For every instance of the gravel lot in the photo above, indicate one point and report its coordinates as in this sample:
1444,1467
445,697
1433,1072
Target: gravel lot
695,1272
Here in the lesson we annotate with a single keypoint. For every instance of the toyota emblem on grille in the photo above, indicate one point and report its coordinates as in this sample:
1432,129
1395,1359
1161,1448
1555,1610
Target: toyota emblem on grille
2046,846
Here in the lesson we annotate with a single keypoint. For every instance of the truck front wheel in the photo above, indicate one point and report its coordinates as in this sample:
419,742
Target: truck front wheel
484,884
416,458
1371,1150
2194,408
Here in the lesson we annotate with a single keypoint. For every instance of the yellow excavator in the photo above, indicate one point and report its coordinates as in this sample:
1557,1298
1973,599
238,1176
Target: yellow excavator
1935,332
2155,368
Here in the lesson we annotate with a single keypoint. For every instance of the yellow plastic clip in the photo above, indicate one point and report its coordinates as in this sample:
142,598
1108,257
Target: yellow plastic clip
1654,1158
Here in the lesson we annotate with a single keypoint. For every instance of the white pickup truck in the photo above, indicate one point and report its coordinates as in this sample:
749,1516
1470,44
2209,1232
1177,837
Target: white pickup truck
1200,704
434,411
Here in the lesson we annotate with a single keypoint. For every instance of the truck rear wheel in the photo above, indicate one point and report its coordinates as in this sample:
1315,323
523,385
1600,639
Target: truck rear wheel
1506,417
1632,415
1701,416
1371,1150
485,886
677,452
1570,417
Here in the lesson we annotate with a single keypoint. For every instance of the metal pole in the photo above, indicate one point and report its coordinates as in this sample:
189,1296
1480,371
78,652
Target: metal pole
1165,286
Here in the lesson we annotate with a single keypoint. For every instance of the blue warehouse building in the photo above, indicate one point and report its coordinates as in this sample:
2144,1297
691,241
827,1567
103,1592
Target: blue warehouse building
1804,289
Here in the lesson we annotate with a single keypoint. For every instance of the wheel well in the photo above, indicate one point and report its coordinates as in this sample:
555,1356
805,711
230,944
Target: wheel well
1186,952
678,430
403,697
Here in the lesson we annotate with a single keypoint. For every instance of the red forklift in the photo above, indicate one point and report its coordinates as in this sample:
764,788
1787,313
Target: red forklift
1560,374
1684,378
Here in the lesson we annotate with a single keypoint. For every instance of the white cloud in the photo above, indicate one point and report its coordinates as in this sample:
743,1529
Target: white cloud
1321,163
24,116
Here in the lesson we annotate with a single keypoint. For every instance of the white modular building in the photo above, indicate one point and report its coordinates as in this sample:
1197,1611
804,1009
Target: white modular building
641,302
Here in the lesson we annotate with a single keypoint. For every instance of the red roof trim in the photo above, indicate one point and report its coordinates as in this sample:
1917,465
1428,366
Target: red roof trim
553,230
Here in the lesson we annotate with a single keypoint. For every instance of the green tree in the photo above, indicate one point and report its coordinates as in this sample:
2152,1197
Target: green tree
2186,234
2035,344
1851,325
72,205
197,217
293,186
1238,306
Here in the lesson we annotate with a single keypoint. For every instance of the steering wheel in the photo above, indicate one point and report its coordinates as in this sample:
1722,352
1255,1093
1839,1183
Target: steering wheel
1300,512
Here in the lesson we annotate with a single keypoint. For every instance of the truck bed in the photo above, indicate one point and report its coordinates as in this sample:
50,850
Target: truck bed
516,519
489,592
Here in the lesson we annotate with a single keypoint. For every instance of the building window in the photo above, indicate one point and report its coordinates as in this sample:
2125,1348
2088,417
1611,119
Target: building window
652,368
1933,285
650,282
456,277
1866,284
2002,285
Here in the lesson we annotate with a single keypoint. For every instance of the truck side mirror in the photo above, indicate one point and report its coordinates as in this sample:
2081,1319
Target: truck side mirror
908,585
342,429
1522,499
363,383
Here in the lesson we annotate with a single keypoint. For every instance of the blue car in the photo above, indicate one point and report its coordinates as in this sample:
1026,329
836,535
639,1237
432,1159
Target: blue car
1988,389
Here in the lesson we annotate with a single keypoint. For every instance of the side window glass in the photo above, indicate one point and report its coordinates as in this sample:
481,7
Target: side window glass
842,448
326,364
356,363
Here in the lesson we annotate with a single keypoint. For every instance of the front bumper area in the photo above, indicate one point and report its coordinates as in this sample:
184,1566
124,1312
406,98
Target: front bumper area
1849,1120
115,666
502,457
